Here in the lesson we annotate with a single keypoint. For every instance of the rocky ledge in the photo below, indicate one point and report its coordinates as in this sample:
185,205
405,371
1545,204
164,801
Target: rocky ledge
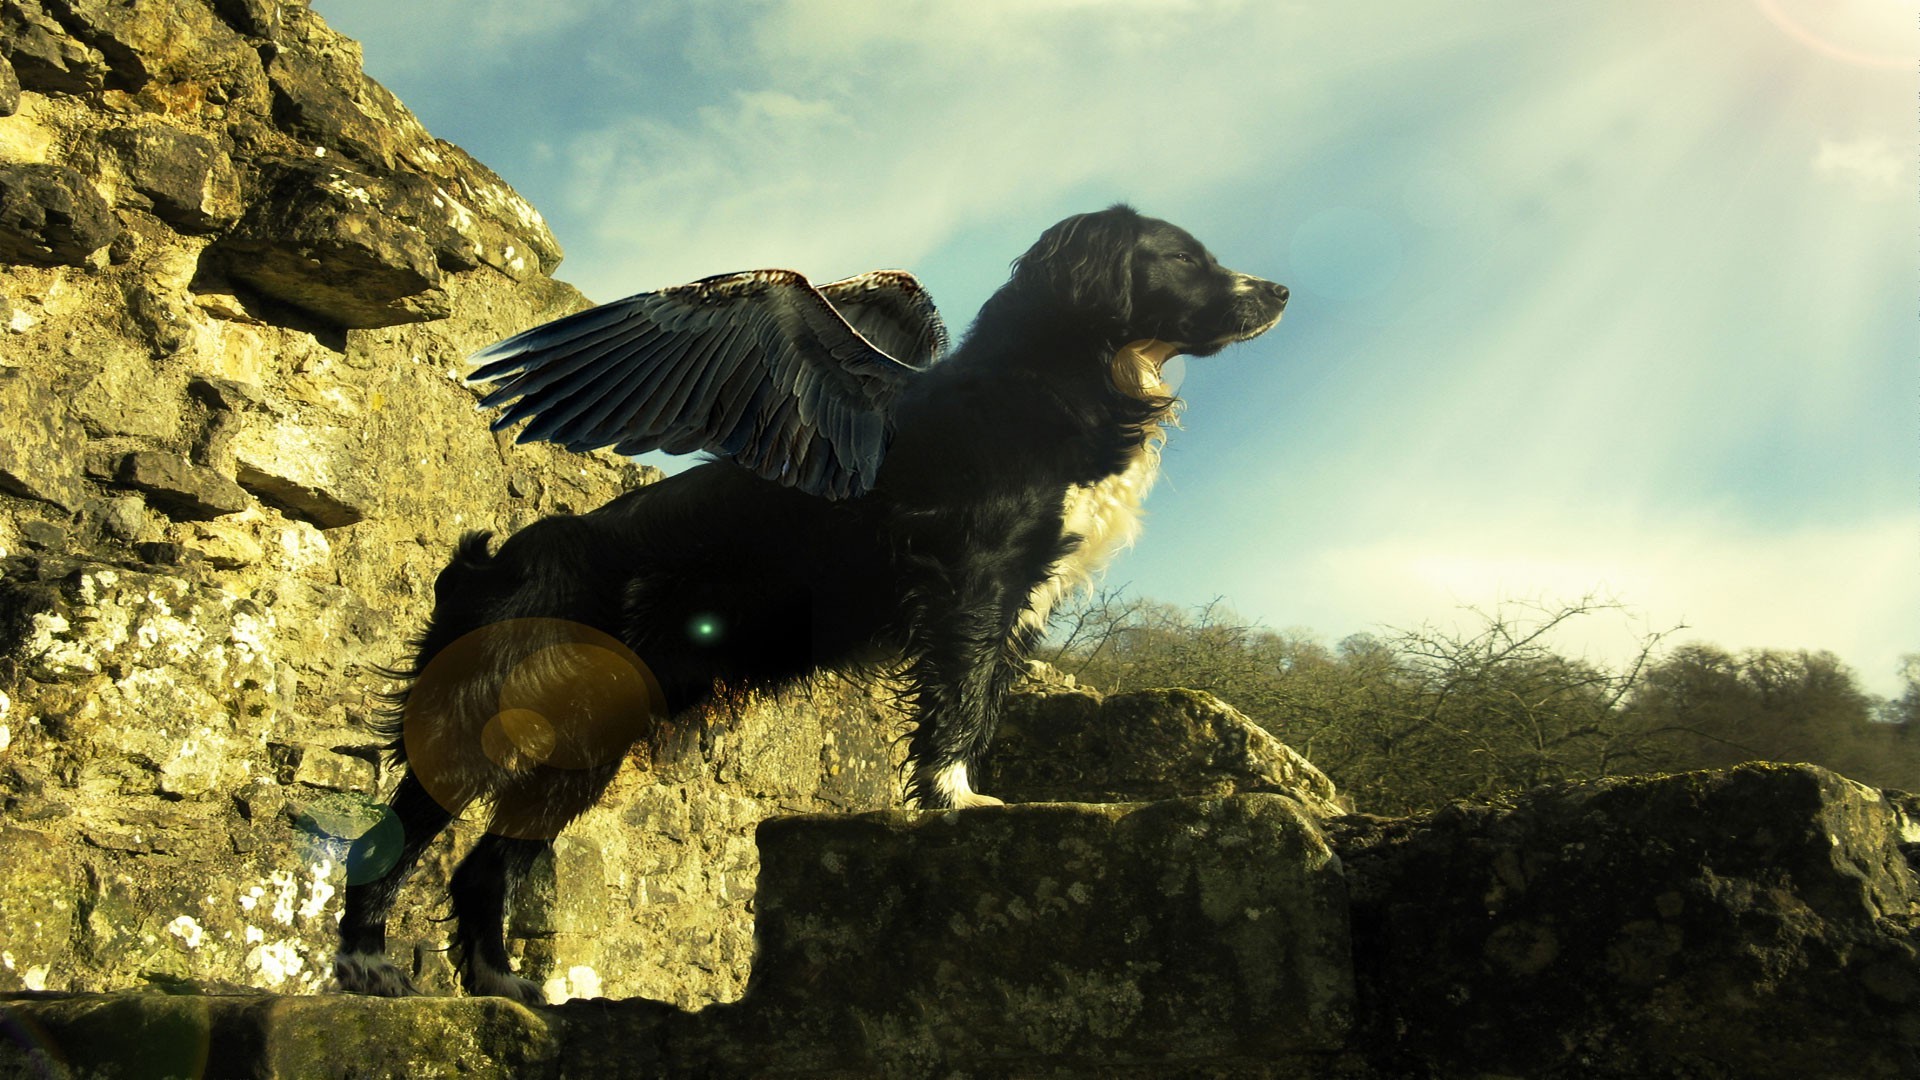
1752,923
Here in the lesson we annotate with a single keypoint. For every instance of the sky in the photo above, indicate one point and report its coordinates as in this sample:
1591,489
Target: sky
1588,299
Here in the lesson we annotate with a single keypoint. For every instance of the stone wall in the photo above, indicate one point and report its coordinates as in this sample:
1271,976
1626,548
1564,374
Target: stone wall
237,279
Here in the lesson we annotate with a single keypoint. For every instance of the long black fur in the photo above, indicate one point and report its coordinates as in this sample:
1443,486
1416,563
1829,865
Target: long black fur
934,566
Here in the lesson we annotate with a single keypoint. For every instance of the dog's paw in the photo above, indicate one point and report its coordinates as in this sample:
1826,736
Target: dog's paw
370,973
485,981
950,789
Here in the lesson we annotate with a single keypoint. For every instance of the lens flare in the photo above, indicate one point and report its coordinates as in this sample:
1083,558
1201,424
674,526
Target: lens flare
375,851
351,831
517,738
1830,29
32,1046
497,708
706,628
576,705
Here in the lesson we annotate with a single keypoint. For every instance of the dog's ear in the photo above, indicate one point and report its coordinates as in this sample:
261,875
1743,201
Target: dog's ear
1086,263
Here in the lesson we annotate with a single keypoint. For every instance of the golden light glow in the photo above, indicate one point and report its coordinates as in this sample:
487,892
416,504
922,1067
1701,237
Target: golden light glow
1857,32
504,711
515,739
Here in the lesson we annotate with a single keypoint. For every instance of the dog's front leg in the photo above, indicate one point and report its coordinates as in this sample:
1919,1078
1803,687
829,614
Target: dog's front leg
963,657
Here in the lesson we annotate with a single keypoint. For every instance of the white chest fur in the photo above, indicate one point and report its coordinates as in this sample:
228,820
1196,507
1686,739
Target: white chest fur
1106,518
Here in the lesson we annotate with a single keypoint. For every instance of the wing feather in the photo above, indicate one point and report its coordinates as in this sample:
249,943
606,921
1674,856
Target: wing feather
675,404
490,362
892,310
565,410
740,399
568,366
791,381
694,404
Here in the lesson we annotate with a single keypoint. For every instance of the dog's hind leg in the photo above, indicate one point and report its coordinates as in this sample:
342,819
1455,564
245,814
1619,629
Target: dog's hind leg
481,889
526,816
361,966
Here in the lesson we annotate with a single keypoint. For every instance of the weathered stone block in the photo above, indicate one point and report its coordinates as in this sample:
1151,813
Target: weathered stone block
125,393
187,177
39,458
187,44
226,547
124,517
202,761
565,894
258,18
42,53
321,97
26,138
1756,922
466,1036
323,768
473,218
1194,929
1075,746
38,901
469,216
51,215
287,1038
331,241
181,488
305,469
43,535
9,89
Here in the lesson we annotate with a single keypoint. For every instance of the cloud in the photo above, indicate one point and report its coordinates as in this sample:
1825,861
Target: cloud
1871,167
822,158
905,124
1846,587
926,119
466,33
946,33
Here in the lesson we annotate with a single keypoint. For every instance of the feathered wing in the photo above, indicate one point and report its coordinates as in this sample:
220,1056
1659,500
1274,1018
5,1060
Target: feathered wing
892,311
790,381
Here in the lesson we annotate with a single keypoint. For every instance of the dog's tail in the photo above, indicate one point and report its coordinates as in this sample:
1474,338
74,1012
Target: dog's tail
470,556
471,559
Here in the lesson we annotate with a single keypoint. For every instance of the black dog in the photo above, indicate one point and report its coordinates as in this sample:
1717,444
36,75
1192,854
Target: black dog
864,508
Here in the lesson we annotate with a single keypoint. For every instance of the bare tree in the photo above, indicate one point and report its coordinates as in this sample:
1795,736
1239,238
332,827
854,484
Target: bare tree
1412,718
1409,719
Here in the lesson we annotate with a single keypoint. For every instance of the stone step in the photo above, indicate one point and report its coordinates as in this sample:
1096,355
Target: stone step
1757,922
1186,930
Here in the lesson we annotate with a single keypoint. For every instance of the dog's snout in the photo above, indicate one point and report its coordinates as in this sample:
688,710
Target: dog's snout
1248,285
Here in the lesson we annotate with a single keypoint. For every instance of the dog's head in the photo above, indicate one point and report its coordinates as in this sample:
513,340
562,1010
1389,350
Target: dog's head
1140,277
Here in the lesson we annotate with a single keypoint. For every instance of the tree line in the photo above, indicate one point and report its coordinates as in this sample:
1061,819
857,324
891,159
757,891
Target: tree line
1405,720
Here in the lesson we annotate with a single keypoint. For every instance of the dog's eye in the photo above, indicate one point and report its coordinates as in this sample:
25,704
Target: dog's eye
1183,257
